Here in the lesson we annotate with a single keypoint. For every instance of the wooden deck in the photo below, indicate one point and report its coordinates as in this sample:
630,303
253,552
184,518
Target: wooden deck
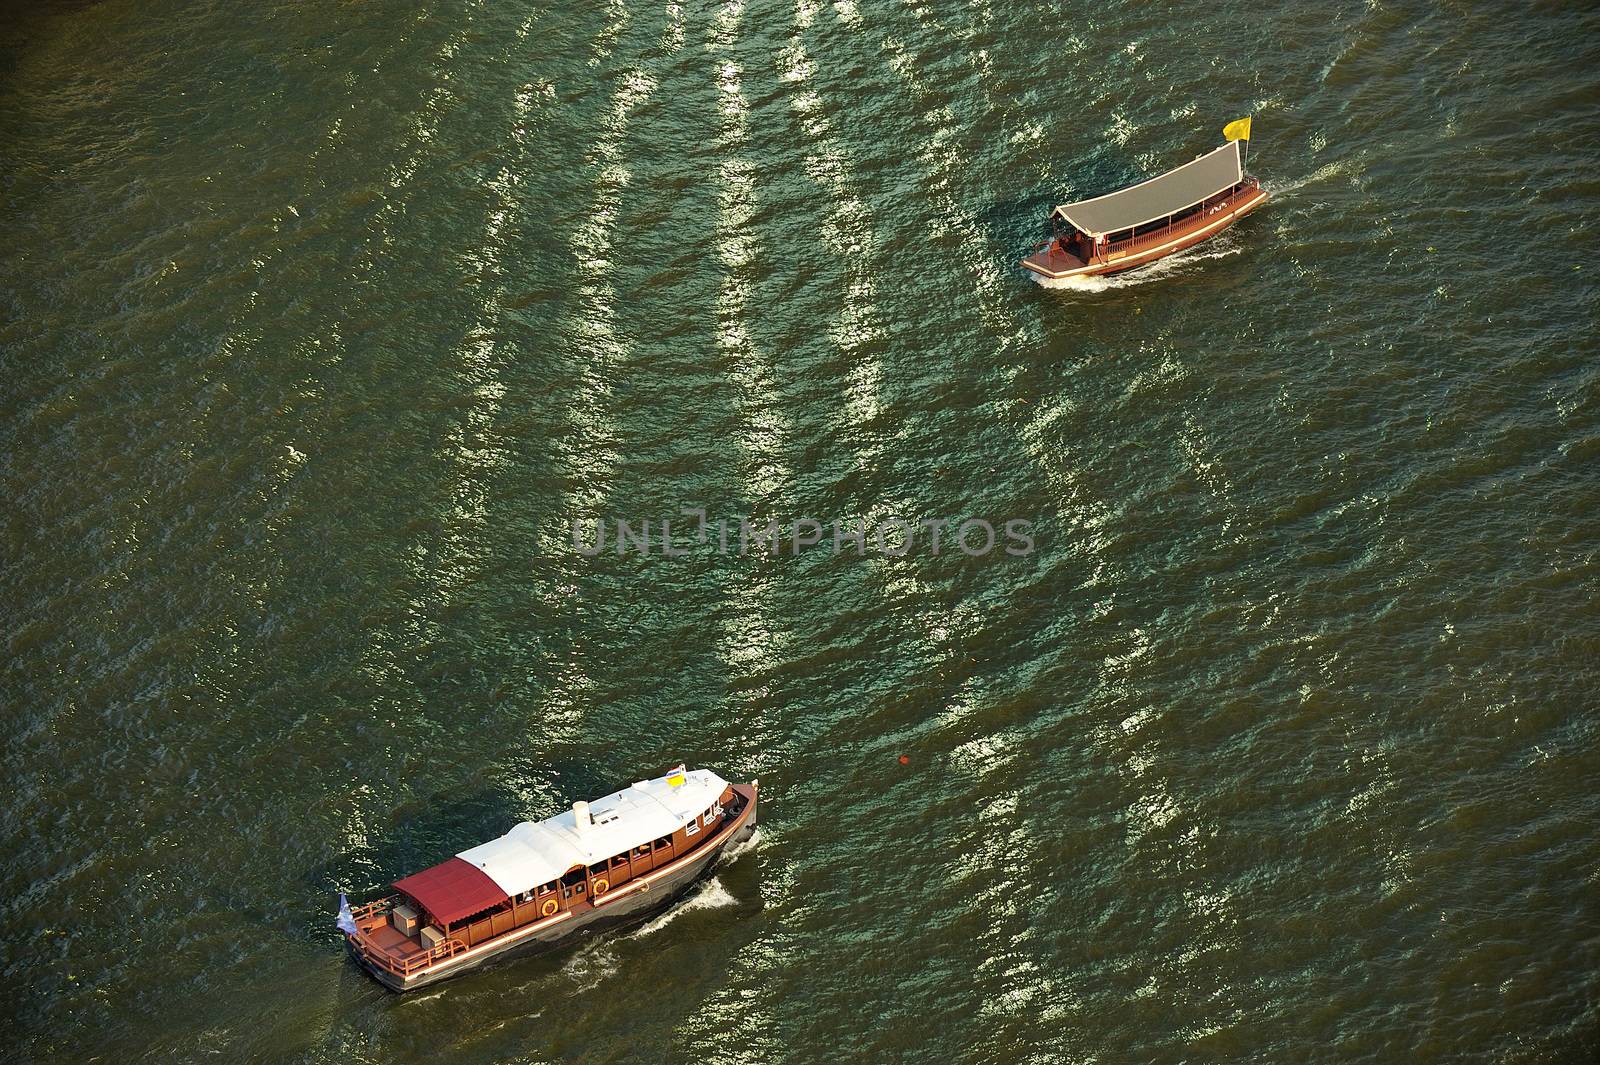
380,934
1054,260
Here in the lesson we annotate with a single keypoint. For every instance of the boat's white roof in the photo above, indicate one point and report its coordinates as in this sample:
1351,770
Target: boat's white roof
1176,190
537,852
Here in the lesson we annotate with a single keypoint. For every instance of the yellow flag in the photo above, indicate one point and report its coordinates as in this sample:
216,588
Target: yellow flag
1238,130
675,779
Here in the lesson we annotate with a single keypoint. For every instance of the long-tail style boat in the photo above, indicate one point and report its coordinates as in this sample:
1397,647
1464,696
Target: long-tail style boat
1150,220
612,861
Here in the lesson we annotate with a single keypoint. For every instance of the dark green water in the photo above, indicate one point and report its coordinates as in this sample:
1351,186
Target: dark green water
322,323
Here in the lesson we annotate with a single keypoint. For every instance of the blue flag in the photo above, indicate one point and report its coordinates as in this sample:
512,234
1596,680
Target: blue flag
347,920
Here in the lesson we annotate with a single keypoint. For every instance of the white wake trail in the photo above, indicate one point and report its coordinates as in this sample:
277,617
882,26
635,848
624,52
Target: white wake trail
710,895
1322,173
739,850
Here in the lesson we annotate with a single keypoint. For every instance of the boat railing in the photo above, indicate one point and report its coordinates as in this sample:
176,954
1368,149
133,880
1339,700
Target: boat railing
368,910
448,948
405,966
1121,248
1139,243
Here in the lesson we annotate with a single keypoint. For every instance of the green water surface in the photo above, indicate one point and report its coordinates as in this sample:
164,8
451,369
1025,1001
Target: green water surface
320,324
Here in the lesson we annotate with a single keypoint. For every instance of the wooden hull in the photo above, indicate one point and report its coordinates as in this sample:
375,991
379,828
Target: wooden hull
631,902
1052,263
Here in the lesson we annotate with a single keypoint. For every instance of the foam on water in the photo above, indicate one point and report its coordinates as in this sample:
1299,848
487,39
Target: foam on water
710,895
740,849
1322,173
599,959
592,963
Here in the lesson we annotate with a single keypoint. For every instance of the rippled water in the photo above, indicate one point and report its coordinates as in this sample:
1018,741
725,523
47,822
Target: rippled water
323,322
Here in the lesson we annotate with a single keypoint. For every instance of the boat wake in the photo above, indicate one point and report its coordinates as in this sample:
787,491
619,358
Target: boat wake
599,960
592,965
710,895
739,850
1218,247
1322,173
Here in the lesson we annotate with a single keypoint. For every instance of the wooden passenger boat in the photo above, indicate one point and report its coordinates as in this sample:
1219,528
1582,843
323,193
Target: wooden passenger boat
1148,221
616,860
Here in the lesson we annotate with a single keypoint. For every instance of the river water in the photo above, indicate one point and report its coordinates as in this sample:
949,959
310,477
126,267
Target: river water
324,323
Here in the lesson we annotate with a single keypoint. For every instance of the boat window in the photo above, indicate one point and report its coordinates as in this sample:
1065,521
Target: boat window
692,828
597,868
641,849
621,859
575,876
483,914
545,889
664,841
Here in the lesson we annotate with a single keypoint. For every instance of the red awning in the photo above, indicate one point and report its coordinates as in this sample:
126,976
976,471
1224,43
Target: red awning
452,890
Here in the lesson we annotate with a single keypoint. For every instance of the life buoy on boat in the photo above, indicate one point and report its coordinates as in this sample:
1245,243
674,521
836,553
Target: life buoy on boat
549,908
599,888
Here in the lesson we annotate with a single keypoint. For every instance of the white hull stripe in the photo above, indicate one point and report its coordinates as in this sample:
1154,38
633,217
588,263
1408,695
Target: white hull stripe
1130,260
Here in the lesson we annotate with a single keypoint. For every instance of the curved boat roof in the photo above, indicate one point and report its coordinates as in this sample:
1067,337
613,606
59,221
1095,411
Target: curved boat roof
1174,191
452,890
537,852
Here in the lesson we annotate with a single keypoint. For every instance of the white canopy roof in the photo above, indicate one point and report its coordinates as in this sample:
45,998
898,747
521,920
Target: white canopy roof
1176,190
535,853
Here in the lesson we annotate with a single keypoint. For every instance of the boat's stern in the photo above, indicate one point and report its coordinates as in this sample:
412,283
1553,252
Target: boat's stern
365,957
1053,262
394,958
1255,197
